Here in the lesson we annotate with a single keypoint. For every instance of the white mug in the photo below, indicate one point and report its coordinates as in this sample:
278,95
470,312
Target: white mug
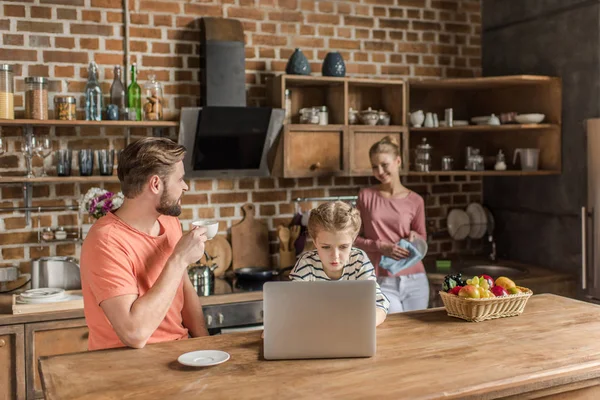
212,227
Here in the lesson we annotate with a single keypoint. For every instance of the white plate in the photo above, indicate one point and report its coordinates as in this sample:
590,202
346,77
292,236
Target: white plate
478,220
483,120
491,223
42,295
458,224
529,118
203,358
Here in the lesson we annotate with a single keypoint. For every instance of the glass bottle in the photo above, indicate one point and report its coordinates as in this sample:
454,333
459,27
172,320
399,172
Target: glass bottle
93,95
153,96
134,94
117,90
7,90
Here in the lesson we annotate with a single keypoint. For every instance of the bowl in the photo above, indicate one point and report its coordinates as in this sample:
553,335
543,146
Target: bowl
212,227
369,116
529,118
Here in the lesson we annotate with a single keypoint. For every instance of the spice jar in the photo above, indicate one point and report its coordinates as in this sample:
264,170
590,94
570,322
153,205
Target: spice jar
60,233
47,234
7,90
153,103
64,108
36,97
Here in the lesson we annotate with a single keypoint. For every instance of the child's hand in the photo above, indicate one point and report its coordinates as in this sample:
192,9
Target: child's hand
394,251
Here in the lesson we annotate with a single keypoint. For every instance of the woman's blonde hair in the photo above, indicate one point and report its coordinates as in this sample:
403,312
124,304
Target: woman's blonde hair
144,158
387,145
335,216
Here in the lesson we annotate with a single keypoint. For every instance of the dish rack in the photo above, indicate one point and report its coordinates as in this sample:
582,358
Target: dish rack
477,310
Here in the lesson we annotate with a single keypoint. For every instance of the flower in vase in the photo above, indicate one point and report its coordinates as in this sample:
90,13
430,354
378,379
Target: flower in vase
99,202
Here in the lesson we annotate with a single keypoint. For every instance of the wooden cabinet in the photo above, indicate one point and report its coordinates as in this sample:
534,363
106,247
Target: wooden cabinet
12,362
48,339
361,139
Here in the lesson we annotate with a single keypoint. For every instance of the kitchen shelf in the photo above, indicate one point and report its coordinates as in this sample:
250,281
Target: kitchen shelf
59,179
512,172
61,241
486,82
486,128
124,124
314,127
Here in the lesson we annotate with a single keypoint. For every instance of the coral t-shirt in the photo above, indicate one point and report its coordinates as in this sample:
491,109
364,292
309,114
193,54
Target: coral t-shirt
116,260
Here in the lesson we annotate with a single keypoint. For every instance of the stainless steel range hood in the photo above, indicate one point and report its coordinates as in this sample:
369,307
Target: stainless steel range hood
228,141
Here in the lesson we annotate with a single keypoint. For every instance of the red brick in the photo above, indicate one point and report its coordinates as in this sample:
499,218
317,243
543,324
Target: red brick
393,23
13,253
413,14
108,3
115,17
229,197
109,59
66,57
171,7
66,13
203,184
14,223
427,71
92,30
426,26
307,30
64,42
42,27
325,6
147,33
156,61
269,40
39,41
396,12
38,70
344,44
4,24
359,21
323,19
411,48
11,10
457,28
158,47
344,32
204,10
395,69
411,3
304,42
379,46
137,46
245,13
13,40
17,54
64,71
269,196
94,44
41,12
140,19
162,20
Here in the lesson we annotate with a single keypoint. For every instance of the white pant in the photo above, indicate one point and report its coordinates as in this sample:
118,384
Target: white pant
405,293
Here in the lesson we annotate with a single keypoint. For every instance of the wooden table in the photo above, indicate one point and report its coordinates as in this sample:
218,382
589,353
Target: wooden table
553,347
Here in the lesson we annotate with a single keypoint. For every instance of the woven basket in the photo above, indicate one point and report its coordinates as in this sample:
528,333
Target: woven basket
476,310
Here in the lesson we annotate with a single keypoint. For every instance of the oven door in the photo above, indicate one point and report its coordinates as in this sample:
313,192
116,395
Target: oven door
232,317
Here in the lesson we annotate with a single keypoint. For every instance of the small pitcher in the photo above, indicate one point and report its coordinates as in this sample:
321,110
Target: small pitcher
529,159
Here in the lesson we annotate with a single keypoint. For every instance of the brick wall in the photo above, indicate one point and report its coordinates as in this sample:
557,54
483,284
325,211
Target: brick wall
378,38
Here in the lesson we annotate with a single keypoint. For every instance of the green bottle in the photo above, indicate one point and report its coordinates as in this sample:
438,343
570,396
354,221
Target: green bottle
134,94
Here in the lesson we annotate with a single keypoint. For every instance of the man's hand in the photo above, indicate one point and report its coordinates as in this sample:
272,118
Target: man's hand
190,247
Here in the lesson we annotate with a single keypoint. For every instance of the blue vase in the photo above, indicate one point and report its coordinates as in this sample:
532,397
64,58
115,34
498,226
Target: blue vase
298,64
333,65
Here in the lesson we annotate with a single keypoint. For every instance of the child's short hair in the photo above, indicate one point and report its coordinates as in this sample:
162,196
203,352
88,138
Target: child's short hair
335,216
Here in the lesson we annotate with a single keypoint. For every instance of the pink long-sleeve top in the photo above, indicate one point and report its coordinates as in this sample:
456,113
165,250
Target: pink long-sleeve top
387,220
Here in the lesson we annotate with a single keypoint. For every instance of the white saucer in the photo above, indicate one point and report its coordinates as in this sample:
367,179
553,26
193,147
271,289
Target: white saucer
458,224
203,358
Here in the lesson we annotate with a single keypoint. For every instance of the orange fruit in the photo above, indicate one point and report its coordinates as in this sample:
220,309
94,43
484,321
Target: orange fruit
505,283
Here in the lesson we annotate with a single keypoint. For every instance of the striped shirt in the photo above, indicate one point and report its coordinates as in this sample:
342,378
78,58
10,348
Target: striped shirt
310,268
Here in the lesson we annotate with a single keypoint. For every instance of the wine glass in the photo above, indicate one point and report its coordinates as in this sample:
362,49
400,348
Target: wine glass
27,149
43,148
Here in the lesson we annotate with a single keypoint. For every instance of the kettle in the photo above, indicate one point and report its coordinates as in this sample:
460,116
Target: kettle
203,278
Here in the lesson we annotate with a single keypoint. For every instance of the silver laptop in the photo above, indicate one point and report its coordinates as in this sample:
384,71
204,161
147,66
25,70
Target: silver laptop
319,319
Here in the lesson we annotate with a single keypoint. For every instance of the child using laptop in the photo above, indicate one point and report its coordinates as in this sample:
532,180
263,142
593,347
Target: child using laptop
333,227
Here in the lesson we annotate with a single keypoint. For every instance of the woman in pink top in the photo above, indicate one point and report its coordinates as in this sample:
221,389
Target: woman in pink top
391,212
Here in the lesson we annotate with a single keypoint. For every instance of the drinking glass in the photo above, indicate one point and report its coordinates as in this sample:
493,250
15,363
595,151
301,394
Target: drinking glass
43,148
106,159
86,162
63,162
27,149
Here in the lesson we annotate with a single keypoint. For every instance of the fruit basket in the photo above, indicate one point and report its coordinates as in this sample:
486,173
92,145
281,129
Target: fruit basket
476,310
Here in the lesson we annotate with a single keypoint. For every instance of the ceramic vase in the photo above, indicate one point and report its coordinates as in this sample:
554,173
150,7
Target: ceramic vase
298,64
333,65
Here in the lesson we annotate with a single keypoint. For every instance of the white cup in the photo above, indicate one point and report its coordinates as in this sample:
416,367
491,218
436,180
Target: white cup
212,227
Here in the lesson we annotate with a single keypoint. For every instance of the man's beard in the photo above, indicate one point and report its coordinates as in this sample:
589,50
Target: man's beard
166,207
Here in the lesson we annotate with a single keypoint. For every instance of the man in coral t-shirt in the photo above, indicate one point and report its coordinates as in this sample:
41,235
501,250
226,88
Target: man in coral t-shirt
134,261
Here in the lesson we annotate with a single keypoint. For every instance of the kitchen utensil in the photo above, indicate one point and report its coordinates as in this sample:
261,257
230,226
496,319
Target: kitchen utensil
203,278
529,158
219,252
294,234
212,227
529,118
250,241
423,156
436,122
86,162
429,120
256,273
447,163
203,358
284,238
483,120
106,159
491,222
42,295
458,224
477,219
384,118
494,120
449,117
352,116
56,271
63,162
417,118
369,116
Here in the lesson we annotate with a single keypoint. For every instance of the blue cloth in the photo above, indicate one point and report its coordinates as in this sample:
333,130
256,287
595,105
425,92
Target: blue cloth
395,266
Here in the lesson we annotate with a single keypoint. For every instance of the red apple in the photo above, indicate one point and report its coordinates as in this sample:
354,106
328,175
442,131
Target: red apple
489,279
469,291
455,290
499,291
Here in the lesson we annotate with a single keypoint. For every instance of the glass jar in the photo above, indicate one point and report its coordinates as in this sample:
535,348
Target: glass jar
36,97
60,233
47,234
64,108
153,100
423,156
7,92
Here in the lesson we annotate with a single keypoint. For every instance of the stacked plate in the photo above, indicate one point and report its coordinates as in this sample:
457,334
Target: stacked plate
42,295
474,223
478,220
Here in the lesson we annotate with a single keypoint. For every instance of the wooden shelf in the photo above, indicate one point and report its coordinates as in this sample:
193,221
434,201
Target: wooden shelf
59,179
513,172
378,128
487,128
481,83
124,124
307,80
314,127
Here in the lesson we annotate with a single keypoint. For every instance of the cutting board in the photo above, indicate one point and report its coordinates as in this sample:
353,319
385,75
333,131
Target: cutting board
250,241
75,303
220,250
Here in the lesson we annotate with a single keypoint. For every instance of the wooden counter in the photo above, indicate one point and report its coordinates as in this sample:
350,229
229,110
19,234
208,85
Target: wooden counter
553,347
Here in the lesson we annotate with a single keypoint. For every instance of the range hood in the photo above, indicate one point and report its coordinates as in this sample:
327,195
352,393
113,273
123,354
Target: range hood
228,141
224,137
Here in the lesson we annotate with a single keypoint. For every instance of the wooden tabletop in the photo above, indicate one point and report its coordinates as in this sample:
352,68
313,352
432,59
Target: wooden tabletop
424,354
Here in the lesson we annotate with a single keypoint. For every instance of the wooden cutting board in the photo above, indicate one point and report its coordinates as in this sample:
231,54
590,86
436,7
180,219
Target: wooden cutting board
250,241
220,249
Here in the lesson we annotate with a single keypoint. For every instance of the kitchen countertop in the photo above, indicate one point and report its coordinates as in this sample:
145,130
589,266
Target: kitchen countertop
552,347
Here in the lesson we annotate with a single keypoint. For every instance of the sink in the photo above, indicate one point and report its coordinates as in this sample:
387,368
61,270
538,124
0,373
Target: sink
493,270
